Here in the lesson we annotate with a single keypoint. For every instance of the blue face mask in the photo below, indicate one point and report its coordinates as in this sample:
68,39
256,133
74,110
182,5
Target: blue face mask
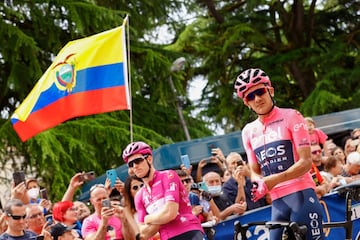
214,190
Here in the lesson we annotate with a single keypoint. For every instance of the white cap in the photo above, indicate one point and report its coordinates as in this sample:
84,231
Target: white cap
353,158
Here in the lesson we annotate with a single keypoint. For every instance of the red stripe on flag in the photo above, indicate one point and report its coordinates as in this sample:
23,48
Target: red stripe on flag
75,105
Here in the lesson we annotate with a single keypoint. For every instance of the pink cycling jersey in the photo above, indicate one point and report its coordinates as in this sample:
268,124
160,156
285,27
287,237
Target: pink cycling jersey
318,137
273,144
91,225
166,186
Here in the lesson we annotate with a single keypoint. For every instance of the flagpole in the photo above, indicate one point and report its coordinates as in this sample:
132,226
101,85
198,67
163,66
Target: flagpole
129,75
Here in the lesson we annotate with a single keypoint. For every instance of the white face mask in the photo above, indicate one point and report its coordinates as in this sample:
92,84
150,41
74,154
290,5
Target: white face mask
33,193
214,190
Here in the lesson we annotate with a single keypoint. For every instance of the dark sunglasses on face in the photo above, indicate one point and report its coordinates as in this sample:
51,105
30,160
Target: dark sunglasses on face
15,217
258,92
186,180
136,161
136,187
316,152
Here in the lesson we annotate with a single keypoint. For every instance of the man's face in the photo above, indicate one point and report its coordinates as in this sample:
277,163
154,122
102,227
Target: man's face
260,104
138,163
316,154
232,163
97,195
17,225
35,218
354,169
310,126
212,179
187,181
82,210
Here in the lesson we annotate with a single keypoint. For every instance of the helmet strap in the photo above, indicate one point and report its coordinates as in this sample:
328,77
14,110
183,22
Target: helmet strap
148,173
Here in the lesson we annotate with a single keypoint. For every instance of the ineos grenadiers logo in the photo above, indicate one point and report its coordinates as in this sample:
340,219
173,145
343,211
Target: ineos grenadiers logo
314,223
275,157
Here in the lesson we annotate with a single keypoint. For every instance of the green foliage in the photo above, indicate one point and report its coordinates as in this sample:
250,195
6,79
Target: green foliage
324,97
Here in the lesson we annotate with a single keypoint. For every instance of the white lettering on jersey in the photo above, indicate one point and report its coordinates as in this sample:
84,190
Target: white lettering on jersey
269,136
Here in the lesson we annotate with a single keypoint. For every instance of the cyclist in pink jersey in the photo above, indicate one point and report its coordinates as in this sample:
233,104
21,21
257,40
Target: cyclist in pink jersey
278,150
162,204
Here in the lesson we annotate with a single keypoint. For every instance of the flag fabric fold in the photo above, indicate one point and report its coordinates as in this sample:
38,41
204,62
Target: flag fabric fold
88,76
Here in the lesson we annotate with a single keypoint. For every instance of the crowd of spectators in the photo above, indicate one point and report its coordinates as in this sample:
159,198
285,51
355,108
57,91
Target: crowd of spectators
218,188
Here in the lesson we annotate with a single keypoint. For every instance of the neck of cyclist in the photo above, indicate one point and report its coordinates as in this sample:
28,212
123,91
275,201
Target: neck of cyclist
150,173
263,115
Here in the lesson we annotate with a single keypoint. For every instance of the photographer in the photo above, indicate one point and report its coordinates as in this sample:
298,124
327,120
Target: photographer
239,168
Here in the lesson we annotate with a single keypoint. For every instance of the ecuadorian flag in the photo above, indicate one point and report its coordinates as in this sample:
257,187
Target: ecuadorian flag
88,76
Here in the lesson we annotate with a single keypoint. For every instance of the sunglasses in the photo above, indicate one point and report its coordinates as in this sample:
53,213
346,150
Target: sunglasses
136,161
316,152
40,214
15,217
258,92
136,187
186,180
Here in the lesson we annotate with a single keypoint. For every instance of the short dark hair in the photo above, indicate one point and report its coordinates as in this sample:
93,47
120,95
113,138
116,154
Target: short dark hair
14,202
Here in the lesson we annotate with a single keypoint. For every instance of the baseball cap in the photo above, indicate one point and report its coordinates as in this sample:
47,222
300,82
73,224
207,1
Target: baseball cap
59,229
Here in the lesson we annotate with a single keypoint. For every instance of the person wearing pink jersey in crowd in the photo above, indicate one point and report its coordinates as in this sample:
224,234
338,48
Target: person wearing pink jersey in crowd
277,145
317,136
162,204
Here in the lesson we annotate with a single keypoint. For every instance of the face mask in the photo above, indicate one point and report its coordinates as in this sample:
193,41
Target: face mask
33,193
214,190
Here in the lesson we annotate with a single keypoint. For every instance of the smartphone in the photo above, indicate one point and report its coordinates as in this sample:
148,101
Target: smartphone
87,176
49,219
106,203
112,175
202,186
212,147
40,237
208,160
43,194
19,177
185,160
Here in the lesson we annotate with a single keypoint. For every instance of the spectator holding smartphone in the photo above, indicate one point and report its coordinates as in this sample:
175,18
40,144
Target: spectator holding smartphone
162,204
107,221
277,146
33,191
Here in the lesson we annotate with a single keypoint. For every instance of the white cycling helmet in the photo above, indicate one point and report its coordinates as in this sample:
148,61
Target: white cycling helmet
249,78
